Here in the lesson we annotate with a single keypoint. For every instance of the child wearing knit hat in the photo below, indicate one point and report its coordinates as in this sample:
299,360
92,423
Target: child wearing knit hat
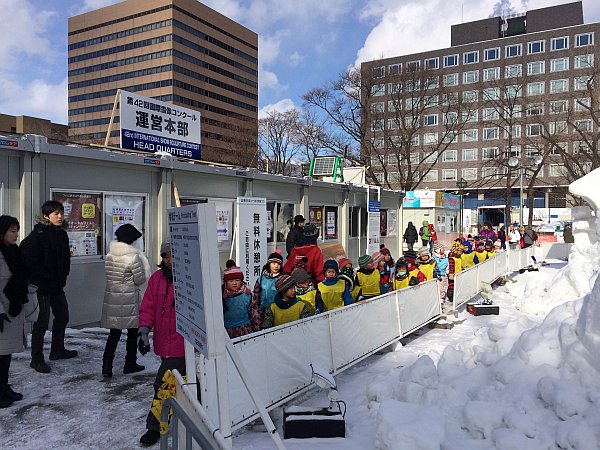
426,263
332,292
454,266
347,274
264,288
241,314
367,278
286,307
305,290
441,268
386,267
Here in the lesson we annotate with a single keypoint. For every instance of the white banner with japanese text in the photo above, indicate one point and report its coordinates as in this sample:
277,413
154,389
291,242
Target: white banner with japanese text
251,242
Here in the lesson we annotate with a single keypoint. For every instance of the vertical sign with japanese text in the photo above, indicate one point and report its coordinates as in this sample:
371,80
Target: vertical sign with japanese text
150,125
373,227
251,244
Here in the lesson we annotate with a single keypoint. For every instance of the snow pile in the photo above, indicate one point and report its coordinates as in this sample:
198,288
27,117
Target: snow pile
514,386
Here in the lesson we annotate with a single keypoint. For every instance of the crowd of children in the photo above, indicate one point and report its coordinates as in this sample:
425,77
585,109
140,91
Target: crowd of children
283,294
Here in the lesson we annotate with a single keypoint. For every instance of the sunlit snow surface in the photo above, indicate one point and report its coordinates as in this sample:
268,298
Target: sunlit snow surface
526,379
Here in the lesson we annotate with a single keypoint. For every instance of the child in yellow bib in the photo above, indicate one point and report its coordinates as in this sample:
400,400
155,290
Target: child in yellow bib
287,307
367,278
305,291
332,292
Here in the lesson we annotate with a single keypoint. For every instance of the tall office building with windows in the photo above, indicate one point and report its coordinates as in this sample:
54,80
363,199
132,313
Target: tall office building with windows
178,51
523,84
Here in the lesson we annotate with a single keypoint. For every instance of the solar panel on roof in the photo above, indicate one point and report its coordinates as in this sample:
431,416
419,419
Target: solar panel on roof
324,166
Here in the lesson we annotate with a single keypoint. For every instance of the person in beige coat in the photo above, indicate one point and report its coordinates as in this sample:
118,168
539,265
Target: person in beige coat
127,269
18,304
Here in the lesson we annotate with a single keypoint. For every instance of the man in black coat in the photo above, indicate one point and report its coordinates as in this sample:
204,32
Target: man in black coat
295,234
48,258
410,236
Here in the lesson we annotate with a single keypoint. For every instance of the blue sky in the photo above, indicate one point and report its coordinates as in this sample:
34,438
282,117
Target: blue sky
302,44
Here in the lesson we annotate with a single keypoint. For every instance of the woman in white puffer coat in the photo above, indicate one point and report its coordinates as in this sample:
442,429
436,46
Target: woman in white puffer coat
127,269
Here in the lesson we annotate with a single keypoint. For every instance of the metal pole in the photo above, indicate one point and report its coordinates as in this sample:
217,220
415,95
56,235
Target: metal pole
521,196
460,225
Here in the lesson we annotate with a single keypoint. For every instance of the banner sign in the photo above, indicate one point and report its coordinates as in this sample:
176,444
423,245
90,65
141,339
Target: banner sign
150,125
373,227
451,201
251,242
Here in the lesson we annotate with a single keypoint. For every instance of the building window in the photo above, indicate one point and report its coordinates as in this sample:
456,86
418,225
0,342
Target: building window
489,173
584,125
584,61
536,68
394,88
450,60
377,107
535,47
559,64
432,63
413,66
489,153
470,96
395,69
378,72
431,176
512,91
559,106
469,154
558,127
414,158
449,175
469,174
392,124
393,160
515,151
413,85
491,93
451,79
410,103
414,141
513,132
515,70
510,51
535,109
430,119
490,114
431,158
469,135
393,106
490,134
470,116
535,88
582,104
534,129
377,90
378,143
491,54
450,137
581,40
556,170
581,147
472,76
557,86
471,57
560,43
377,125
430,138
432,82
491,74
581,83
450,156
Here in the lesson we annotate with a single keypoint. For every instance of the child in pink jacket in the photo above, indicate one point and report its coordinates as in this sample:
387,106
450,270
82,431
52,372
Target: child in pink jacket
157,312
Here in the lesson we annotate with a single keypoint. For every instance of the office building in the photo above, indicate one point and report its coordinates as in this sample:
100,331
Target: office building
178,51
506,87
56,132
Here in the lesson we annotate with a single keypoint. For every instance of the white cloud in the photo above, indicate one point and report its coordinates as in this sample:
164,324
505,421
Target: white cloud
36,98
296,59
281,106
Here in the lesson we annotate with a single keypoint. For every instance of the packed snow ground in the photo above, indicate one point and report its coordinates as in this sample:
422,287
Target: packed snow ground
526,379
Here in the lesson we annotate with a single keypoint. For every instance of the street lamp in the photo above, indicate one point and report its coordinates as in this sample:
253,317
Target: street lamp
522,165
461,185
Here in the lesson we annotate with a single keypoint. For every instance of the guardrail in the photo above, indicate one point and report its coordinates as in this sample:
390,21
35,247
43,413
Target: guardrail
277,360
191,431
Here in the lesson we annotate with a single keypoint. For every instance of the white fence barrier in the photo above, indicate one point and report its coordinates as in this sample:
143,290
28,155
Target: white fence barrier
277,360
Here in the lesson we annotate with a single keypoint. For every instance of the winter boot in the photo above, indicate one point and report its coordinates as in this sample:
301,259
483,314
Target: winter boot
131,365
40,366
62,354
6,392
149,438
107,364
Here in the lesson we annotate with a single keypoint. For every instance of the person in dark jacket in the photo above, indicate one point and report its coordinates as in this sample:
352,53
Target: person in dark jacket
48,258
307,250
502,237
296,233
410,236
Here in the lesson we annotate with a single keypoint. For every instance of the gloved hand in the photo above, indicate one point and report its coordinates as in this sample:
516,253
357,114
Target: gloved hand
144,340
413,281
3,317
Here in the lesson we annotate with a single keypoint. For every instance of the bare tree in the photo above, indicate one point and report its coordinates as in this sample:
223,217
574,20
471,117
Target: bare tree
310,133
277,149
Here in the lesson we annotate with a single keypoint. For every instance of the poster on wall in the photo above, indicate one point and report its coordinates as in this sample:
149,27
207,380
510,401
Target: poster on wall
330,230
373,227
315,215
392,223
122,209
251,242
83,216
383,222
224,210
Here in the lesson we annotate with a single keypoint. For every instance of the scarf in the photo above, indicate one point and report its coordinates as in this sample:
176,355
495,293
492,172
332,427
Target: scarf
227,293
284,303
302,291
16,288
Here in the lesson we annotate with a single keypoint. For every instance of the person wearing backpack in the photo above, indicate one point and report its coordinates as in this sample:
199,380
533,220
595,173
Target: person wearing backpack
529,237
425,233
